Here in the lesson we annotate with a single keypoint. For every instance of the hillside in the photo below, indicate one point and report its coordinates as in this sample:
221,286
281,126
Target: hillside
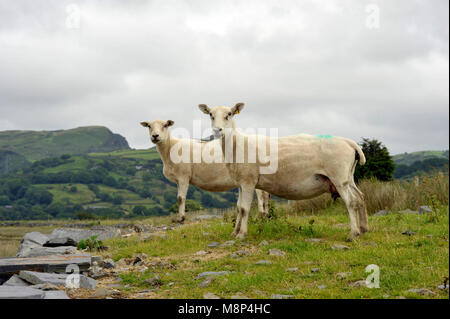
410,158
121,184
11,161
409,165
35,145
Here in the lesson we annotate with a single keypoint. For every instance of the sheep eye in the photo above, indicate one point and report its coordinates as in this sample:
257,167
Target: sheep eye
229,114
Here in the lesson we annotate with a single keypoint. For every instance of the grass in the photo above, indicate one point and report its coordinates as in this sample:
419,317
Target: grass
405,262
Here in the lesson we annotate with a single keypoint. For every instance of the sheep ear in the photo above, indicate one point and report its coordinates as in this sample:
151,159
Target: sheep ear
204,108
237,108
170,123
145,124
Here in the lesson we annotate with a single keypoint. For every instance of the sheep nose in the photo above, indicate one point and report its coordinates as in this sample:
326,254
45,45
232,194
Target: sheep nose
155,136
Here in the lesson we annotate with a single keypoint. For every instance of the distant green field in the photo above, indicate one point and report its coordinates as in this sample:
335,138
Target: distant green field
149,154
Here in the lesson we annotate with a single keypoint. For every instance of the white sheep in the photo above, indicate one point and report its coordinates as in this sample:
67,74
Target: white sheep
212,177
307,166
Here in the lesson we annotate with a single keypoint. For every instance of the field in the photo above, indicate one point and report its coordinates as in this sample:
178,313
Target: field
410,250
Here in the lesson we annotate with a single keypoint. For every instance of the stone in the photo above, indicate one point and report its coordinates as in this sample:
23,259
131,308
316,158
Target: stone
206,282
61,241
276,252
14,292
201,253
47,287
103,293
47,251
228,243
243,252
155,281
293,269
102,233
264,243
210,295
425,209
206,217
212,274
30,241
16,281
57,294
108,264
422,291
279,296
263,262
359,283
315,270
52,263
238,296
96,272
339,247
213,245
143,269
98,260
342,275
313,240
443,287
408,211
55,279
408,233
322,287
381,213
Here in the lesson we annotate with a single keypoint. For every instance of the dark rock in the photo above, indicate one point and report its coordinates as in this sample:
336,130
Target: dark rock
408,233
206,282
422,291
155,281
108,264
62,241
212,245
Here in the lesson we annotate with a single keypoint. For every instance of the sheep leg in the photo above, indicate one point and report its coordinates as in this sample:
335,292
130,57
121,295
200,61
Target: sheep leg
362,210
237,225
353,205
246,202
182,191
262,202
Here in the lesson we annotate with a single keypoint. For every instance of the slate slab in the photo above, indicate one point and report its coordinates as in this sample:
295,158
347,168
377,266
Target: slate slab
53,263
13,292
103,232
56,294
37,278
16,281
30,241
47,251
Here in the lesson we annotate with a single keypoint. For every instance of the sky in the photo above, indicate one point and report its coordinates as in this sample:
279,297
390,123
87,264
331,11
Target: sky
353,68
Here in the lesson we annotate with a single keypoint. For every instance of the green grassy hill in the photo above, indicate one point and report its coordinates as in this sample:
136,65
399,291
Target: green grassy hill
35,145
409,165
410,158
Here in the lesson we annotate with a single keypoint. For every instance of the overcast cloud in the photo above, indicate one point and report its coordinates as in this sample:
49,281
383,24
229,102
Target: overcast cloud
304,66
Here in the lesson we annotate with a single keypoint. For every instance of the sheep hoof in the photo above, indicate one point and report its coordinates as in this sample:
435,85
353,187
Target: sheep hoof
240,236
234,234
179,220
352,236
364,229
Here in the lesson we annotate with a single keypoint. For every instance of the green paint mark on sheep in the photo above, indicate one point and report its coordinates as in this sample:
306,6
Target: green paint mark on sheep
324,136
